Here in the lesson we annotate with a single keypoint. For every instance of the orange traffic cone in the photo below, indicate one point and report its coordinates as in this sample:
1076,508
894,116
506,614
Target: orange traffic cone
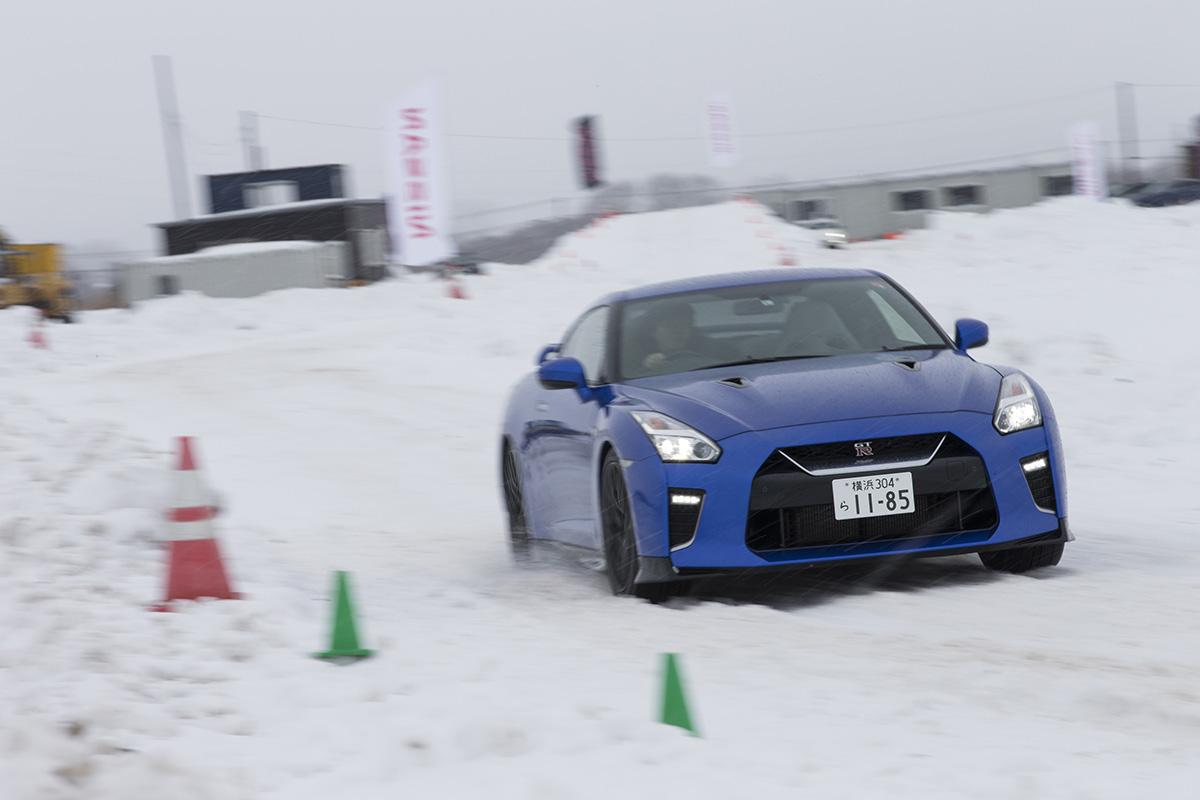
456,290
37,337
194,566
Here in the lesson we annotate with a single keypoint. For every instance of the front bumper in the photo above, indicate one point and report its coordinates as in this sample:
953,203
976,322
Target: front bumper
720,541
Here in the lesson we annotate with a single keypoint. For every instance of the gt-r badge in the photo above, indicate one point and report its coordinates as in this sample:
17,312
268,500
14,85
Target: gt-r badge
863,449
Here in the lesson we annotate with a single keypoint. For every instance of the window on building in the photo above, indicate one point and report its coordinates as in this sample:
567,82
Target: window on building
914,200
967,195
168,285
270,193
804,210
1057,185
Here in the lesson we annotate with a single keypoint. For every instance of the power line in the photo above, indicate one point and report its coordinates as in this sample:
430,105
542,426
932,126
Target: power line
325,124
758,135
884,124
380,128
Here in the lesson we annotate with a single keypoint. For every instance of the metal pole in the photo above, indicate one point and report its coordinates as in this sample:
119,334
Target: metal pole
250,148
1127,130
172,137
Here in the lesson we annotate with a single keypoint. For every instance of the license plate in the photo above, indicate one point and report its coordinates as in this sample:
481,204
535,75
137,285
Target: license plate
873,496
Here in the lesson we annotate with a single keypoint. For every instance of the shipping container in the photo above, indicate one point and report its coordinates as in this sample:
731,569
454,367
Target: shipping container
237,270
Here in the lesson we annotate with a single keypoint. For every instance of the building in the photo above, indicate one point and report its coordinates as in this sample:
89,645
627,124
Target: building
237,191
869,209
235,270
283,205
361,224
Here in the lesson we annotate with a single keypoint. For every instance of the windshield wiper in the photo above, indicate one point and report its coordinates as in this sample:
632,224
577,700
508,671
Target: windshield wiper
902,348
758,360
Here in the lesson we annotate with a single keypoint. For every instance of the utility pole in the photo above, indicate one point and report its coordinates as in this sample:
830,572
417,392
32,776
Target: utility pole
172,128
250,142
1127,132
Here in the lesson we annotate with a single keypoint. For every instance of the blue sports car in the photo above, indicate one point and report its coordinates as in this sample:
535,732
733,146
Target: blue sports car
778,418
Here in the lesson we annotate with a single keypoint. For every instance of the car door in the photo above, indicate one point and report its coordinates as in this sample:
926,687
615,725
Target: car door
568,417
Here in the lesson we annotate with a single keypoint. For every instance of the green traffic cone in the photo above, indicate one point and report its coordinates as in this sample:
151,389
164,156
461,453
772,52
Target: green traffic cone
674,703
345,632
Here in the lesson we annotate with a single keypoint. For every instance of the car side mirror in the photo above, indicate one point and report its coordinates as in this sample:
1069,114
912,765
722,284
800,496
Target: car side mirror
562,373
545,353
970,333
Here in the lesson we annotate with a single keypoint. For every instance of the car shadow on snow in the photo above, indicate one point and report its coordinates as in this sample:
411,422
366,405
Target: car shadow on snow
547,567
799,588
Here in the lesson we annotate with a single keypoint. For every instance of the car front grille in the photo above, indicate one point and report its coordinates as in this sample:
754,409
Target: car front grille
840,455
792,509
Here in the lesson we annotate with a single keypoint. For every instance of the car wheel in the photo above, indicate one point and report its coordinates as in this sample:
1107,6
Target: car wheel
620,542
1022,559
616,522
514,502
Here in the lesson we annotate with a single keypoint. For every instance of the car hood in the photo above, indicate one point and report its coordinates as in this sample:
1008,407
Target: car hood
726,401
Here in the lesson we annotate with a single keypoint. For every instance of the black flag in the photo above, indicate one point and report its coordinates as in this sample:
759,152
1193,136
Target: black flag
589,164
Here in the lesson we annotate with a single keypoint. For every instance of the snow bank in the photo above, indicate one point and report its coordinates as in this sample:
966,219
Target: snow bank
356,429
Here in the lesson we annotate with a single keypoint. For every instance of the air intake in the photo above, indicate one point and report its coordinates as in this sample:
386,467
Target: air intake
683,515
1041,482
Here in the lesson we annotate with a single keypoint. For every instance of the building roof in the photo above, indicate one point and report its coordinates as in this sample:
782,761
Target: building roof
222,251
917,175
297,207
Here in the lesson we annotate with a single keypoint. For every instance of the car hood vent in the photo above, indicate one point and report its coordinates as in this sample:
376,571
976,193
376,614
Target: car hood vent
737,382
908,363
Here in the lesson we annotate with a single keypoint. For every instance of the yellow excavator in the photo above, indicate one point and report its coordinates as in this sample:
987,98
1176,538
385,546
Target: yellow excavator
32,275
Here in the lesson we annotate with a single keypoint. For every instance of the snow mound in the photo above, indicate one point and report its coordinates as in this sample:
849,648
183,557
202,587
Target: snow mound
356,429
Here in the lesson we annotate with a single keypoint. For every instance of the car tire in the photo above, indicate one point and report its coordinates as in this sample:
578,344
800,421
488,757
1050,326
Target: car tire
514,502
620,540
1023,559
616,525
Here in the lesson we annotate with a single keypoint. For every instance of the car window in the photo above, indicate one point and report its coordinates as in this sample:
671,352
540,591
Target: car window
586,341
795,319
899,326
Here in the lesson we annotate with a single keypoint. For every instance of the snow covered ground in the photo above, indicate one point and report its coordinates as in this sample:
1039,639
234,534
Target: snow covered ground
356,429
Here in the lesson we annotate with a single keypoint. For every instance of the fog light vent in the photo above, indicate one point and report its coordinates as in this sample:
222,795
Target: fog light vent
683,515
1041,482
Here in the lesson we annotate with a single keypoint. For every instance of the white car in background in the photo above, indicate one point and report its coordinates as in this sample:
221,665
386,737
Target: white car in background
830,232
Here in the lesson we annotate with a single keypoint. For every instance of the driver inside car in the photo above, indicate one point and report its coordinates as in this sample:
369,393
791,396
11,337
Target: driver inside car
674,334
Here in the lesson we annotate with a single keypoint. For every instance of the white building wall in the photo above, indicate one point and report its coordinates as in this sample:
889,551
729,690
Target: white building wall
239,270
867,209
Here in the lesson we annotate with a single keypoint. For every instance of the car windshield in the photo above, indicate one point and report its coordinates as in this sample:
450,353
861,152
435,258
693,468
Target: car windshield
768,322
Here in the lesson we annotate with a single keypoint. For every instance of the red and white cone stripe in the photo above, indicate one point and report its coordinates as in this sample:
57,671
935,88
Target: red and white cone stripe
195,568
191,511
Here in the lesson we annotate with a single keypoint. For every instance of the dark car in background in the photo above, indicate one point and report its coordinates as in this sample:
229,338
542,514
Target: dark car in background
1167,193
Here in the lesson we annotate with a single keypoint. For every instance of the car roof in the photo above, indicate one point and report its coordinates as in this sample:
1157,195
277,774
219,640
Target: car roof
727,279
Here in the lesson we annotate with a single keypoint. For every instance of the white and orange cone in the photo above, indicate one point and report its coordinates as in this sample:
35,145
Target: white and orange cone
37,337
194,565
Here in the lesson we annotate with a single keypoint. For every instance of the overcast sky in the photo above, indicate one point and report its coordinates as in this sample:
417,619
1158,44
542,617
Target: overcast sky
81,153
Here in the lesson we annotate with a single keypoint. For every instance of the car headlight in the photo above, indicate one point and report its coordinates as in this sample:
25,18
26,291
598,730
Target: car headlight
1017,407
675,441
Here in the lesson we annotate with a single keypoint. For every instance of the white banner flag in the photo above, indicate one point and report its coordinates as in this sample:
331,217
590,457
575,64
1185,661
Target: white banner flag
419,199
722,136
1087,162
